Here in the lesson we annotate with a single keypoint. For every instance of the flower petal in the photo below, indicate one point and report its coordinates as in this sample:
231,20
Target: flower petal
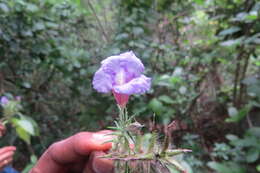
136,86
121,99
4,100
127,61
102,81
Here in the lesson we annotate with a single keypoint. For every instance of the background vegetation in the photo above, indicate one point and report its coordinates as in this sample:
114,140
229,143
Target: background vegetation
203,56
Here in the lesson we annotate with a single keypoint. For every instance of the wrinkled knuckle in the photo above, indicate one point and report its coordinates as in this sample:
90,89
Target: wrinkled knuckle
80,141
52,147
80,134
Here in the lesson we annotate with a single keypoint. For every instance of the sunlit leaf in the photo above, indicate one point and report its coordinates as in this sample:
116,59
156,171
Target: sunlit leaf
231,42
4,7
199,2
258,168
229,31
26,125
23,135
252,155
232,111
32,7
239,116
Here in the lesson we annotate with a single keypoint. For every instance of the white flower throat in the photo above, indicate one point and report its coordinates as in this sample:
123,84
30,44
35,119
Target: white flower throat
120,77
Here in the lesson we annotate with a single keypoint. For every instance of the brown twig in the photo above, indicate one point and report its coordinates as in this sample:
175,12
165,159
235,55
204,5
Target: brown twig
243,75
99,22
237,74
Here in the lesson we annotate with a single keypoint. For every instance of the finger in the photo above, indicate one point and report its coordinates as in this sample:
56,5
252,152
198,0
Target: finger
97,164
2,130
96,142
73,149
79,146
48,165
6,162
6,159
7,149
6,155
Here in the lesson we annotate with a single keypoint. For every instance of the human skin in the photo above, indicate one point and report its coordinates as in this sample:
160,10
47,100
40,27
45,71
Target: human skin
6,153
80,153
6,156
2,129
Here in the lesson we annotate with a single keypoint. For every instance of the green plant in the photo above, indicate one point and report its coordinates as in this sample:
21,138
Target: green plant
240,150
12,113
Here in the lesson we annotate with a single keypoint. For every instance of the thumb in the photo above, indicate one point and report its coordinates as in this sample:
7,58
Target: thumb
96,164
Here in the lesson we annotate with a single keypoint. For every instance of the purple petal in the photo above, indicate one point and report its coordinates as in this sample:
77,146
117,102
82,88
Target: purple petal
127,61
136,86
4,100
102,81
18,98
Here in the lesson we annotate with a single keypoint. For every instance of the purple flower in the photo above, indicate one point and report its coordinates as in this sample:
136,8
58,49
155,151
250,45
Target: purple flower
18,98
122,75
4,100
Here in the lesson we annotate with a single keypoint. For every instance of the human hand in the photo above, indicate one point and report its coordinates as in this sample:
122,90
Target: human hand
2,129
6,156
77,154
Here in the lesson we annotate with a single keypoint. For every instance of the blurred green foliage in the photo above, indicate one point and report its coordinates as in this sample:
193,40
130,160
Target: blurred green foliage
203,57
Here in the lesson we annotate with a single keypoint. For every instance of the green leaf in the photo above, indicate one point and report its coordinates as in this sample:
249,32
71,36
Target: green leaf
31,7
252,15
254,39
258,168
33,158
35,125
121,36
38,26
199,2
252,155
240,16
183,90
4,8
156,106
254,90
232,111
245,142
227,167
166,99
255,131
257,63
30,165
175,79
23,135
231,137
221,168
241,114
231,42
27,33
138,30
52,25
26,125
26,85
229,31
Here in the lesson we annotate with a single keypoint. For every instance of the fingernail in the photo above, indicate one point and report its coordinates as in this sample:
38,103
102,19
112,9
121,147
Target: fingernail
102,138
